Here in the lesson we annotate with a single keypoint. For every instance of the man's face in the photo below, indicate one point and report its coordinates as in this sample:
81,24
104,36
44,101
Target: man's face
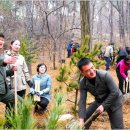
1,42
89,71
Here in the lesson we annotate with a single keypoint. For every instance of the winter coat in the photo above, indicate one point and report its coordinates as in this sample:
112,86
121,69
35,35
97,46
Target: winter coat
105,92
22,72
123,67
45,84
3,74
123,52
109,51
69,46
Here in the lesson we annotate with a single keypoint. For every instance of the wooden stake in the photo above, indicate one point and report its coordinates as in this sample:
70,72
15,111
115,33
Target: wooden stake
15,90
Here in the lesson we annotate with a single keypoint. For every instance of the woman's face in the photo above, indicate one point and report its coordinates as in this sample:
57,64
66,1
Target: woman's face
15,46
42,69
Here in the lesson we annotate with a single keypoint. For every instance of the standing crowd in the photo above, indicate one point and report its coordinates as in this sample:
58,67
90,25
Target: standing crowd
72,47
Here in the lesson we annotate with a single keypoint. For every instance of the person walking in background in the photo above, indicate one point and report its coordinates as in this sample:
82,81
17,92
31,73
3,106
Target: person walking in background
108,55
121,70
23,75
76,46
107,95
69,48
45,87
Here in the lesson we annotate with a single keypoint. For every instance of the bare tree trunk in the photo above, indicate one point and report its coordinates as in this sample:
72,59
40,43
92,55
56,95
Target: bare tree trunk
126,21
29,25
92,9
121,22
29,19
111,23
73,19
129,22
84,16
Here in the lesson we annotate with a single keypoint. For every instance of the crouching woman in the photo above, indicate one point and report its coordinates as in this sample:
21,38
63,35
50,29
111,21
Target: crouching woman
45,87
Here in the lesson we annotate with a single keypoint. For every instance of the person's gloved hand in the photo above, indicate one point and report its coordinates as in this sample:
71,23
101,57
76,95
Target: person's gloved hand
32,91
40,93
127,79
30,84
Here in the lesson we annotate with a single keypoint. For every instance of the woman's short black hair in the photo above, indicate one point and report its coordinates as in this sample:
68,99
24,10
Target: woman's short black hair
2,35
82,62
39,65
12,42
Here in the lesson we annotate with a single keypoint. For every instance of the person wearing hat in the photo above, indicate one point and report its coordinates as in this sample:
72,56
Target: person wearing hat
122,53
121,70
45,87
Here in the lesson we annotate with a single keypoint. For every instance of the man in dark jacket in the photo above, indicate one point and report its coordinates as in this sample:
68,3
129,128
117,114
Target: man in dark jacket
6,95
107,95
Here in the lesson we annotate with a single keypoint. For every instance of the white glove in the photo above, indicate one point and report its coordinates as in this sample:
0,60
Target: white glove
127,79
40,92
32,91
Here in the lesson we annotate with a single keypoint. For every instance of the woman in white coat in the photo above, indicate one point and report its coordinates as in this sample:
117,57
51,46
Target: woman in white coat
22,73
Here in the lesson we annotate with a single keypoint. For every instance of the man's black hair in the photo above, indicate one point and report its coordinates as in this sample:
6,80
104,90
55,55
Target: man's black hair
82,62
2,35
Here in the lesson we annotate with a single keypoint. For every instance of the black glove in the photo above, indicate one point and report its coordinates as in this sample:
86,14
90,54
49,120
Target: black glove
30,83
37,93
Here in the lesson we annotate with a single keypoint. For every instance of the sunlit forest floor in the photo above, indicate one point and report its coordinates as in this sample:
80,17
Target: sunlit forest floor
102,122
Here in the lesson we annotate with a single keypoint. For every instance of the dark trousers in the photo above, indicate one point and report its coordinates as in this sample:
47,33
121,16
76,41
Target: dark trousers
43,104
21,93
69,53
108,61
115,117
120,79
8,98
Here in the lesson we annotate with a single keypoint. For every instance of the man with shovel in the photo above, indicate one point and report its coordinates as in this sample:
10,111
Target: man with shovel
107,95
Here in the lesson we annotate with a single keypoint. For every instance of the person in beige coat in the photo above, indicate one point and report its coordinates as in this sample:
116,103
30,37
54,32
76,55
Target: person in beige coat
22,73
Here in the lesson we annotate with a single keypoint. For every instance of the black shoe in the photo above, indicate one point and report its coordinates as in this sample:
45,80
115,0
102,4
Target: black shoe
36,109
44,110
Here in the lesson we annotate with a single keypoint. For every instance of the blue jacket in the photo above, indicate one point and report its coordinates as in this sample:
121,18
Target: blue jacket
69,46
45,84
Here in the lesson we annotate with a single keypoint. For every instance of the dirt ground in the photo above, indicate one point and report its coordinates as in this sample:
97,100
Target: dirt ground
102,122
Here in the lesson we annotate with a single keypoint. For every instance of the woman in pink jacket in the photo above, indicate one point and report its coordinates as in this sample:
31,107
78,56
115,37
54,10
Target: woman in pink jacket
121,70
